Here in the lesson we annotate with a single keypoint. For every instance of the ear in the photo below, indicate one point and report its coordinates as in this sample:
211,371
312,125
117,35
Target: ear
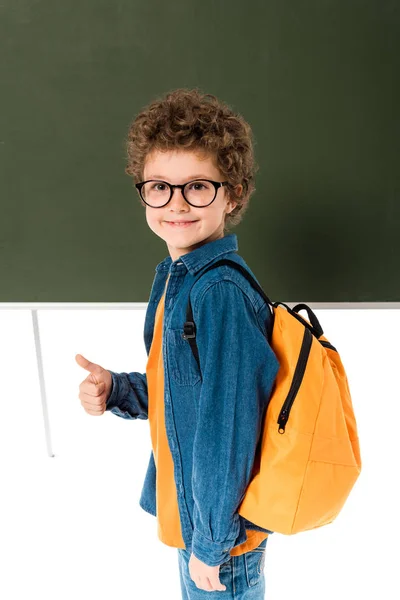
232,205
238,190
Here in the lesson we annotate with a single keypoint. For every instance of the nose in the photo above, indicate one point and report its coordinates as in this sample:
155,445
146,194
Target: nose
177,198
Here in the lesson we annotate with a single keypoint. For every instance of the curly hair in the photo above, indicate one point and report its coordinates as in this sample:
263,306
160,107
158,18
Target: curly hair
188,119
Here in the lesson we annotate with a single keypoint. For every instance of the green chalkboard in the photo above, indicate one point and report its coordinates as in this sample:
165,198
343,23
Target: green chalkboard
318,81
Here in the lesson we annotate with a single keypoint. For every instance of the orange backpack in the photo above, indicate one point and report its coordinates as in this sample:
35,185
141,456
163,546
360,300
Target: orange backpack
309,456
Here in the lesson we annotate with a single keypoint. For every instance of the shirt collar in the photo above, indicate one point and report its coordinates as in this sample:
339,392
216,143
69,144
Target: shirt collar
198,258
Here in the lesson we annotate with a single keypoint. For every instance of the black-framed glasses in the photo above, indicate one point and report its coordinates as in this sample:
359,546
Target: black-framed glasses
198,192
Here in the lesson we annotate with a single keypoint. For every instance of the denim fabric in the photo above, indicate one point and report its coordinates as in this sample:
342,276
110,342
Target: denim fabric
213,418
243,576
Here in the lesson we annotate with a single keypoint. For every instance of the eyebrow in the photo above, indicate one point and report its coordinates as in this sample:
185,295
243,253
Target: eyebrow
198,176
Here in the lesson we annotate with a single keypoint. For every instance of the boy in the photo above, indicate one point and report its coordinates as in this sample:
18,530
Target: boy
192,160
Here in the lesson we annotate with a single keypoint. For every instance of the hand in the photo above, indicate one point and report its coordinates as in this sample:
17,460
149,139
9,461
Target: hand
95,389
205,577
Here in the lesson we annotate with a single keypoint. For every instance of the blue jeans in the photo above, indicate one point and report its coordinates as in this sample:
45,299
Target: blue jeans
242,575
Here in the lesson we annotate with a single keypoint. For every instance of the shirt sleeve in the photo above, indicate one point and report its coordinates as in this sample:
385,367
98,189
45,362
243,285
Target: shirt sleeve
238,371
128,398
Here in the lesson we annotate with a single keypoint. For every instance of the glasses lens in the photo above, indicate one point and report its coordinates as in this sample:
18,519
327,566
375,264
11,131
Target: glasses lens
156,193
199,193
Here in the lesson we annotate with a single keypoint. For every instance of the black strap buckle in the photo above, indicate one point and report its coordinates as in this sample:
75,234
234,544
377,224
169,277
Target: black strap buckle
189,330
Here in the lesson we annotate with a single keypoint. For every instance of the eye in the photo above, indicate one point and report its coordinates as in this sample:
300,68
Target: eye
154,186
197,184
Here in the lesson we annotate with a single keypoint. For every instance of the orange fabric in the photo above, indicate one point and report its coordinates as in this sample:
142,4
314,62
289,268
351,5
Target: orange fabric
168,519
304,475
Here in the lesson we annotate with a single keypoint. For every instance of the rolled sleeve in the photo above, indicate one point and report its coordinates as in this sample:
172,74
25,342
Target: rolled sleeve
238,371
129,397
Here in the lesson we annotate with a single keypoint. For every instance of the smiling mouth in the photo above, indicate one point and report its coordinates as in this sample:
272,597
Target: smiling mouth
180,224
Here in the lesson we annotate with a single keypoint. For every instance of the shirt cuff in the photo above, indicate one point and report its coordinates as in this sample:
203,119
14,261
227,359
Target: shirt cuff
209,552
114,391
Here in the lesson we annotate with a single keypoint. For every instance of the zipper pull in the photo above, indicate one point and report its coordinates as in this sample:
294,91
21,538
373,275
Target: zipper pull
282,421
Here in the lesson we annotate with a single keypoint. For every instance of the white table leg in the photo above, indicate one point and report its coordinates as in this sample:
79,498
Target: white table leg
41,381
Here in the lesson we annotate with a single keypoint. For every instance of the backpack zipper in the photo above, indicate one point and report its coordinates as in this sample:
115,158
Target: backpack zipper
297,379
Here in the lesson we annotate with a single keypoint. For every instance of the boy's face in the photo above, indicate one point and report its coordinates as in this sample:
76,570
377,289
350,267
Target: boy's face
181,166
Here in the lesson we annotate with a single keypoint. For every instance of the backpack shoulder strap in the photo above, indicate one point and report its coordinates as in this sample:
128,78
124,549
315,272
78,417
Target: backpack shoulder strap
189,327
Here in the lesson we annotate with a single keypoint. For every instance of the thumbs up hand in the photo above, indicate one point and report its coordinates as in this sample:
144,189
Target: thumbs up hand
95,389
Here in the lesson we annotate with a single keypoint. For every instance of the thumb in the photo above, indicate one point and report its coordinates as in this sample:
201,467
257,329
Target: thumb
94,368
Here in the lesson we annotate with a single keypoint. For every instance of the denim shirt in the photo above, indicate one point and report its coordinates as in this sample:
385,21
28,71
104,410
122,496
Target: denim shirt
213,418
